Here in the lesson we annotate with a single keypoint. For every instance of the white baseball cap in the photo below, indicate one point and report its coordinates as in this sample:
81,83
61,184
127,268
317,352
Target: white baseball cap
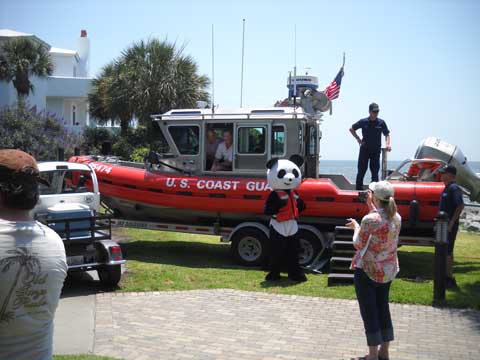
382,190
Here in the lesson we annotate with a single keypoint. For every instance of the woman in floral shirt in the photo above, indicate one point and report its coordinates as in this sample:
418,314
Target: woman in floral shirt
375,265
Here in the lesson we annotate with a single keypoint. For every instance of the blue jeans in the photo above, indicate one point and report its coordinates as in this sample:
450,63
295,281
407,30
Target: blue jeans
373,301
364,157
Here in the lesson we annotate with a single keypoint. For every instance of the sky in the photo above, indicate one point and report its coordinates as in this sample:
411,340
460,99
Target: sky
418,59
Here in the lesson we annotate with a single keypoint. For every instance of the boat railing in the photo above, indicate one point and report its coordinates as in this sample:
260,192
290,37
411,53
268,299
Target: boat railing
397,174
254,114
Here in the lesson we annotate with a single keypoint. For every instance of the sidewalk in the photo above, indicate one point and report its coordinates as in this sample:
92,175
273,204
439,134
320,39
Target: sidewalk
231,324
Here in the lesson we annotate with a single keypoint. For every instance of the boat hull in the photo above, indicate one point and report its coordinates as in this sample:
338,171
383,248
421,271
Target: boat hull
135,193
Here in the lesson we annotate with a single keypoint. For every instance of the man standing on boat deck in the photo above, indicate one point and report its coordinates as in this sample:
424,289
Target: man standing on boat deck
370,144
224,155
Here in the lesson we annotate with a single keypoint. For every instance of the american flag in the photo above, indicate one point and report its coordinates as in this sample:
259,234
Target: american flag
333,90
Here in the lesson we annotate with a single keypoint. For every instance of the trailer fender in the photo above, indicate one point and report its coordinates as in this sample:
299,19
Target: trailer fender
321,237
256,225
112,251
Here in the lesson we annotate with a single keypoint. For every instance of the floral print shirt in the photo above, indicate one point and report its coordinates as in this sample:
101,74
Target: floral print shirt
377,257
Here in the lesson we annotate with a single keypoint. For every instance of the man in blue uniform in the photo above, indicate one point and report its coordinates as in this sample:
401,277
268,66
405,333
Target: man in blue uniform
451,202
370,144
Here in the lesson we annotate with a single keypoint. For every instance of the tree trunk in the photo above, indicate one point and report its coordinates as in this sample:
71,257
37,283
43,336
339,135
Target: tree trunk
22,85
124,125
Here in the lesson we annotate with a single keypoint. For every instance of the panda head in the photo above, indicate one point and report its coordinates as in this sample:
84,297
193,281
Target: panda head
283,174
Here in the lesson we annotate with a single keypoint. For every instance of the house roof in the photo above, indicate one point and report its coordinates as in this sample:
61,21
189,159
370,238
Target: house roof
12,33
9,34
62,51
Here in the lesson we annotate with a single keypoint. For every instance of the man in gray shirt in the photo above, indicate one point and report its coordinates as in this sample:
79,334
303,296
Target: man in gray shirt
33,266
212,144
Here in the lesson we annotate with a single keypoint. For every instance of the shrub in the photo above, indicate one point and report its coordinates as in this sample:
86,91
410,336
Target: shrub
139,154
36,133
94,137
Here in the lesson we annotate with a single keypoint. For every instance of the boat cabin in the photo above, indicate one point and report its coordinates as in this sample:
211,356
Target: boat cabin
237,142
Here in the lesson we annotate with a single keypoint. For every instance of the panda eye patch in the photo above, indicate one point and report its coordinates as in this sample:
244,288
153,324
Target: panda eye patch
281,174
295,172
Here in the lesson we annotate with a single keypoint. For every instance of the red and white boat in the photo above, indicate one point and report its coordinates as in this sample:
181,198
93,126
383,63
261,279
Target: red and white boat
179,187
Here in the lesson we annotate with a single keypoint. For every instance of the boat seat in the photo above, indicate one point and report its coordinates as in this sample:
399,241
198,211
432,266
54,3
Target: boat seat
340,181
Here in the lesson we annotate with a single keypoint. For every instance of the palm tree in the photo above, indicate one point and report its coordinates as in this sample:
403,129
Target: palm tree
27,262
110,98
149,77
20,59
162,78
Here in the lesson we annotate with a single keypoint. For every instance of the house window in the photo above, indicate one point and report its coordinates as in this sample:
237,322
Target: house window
251,140
74,71
74,115
186,138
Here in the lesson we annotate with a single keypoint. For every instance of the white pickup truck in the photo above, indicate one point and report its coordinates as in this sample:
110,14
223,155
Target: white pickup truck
69,203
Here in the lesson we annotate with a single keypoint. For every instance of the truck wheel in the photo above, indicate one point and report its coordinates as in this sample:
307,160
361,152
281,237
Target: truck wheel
309,247
110,275
250,247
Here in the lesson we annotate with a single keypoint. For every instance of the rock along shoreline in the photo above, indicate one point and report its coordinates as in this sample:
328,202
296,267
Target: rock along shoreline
470,219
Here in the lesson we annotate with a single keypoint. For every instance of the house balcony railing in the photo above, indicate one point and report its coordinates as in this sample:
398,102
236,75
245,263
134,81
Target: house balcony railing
75,87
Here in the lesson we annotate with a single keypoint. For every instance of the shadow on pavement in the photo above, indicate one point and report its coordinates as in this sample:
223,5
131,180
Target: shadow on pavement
83,283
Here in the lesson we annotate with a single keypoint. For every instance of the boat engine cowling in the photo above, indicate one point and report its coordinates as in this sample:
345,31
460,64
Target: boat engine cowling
434,148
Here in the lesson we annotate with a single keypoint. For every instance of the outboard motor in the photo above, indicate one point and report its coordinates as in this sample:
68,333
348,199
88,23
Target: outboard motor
434,148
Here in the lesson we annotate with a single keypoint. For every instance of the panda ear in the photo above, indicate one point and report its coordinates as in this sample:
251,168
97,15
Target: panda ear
297,160
271,162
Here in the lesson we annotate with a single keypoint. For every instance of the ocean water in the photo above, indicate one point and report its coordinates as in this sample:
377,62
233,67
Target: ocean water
348,168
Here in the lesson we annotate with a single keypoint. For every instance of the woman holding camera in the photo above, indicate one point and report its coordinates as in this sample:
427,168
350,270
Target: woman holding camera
375,265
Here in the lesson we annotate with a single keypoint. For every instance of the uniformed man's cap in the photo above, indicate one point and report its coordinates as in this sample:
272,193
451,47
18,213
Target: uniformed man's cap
450,169
373,107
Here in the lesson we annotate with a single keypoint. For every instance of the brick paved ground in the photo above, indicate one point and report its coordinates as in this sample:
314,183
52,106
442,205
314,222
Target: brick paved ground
231,324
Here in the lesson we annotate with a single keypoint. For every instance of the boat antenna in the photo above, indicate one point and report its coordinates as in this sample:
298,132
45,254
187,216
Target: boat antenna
213,74
295,68
243,55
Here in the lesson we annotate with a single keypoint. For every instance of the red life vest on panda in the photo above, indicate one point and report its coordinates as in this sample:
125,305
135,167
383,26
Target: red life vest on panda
290,210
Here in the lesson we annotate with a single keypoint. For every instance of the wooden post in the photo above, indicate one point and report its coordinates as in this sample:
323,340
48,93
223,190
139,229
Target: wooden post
384,164
60,154
440,259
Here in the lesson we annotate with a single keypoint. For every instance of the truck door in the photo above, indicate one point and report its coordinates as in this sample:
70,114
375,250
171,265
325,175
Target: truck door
251,147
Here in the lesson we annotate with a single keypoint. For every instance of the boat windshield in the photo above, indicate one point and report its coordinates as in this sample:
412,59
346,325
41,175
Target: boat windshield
186,138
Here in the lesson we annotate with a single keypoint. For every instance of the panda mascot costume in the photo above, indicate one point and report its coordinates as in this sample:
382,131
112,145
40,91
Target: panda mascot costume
284,206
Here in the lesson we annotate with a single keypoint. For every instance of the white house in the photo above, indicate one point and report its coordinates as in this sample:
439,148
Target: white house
63,94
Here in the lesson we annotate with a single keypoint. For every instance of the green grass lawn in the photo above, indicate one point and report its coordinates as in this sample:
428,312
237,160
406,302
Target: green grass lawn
176,261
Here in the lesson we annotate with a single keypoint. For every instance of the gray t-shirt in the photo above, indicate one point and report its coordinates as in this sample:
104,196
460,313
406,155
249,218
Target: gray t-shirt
32,270
212,148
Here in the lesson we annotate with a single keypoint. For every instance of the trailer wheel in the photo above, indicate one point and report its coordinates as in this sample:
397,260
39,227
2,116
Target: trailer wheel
110,275
310,246
250,247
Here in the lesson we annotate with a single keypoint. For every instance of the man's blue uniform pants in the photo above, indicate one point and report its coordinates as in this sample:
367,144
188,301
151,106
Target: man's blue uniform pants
365,155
